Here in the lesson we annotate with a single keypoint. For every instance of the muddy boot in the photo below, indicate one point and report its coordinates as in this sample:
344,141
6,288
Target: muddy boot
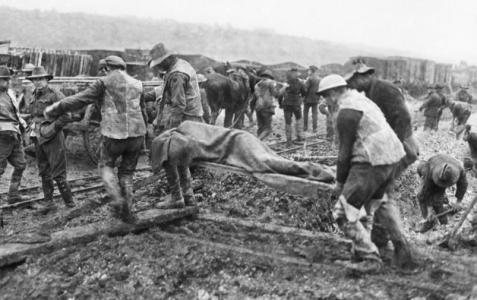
300,139
403,258
13,194
49,206
177,200
127,190
288,133
65,192
186,185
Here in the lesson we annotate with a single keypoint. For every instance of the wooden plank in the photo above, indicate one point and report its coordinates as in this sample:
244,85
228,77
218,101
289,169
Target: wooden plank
16,252
253,224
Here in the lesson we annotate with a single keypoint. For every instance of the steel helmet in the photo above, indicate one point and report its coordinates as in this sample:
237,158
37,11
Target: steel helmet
330,82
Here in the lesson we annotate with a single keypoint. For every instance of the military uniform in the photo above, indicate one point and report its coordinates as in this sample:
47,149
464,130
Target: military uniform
181,96
180,102
123,126
291,104
393,105
50,152
265,106
368,160
311,101
433,107
11,148
437,174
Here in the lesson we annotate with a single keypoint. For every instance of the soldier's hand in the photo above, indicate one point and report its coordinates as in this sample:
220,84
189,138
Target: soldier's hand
457,206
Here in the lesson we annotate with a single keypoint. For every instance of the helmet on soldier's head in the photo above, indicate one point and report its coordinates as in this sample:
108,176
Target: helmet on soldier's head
330,82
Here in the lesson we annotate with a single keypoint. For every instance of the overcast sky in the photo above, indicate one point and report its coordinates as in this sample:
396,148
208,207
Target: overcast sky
438,29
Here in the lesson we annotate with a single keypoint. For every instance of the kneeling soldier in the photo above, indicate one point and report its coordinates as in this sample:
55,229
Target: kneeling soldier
437,174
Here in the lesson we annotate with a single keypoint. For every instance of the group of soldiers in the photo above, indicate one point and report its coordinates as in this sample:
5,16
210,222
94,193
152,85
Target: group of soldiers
373,133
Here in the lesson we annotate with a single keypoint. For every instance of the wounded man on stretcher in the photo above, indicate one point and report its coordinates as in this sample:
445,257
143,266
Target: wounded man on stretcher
191,142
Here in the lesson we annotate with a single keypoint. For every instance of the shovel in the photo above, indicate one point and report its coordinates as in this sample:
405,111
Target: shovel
429,224
449,241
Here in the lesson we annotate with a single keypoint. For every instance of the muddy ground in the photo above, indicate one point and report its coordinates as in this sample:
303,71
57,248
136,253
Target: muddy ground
201,259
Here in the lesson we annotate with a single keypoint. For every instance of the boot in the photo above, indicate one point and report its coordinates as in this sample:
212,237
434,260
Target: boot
186,185
288,133
299,133
119,205
127,191
13,194
65,192
177,200
49,206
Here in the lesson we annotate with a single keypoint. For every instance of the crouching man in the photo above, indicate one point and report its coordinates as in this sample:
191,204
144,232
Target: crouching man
437,174
368,161
123,126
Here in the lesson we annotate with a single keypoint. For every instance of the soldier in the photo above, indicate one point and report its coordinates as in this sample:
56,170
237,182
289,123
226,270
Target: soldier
471,138
432,108
393,105
460,115
123,126
311,98
463,95
437,174
11,124
102,68
50,152
181,95
180,102
265,93
368,159
291,103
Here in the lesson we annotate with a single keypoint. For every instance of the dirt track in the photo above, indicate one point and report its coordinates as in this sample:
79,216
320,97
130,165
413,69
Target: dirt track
212,260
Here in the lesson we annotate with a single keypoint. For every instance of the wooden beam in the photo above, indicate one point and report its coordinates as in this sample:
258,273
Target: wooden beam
253,224
13,251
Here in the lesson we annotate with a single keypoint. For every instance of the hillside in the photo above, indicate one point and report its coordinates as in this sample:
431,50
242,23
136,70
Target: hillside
50,29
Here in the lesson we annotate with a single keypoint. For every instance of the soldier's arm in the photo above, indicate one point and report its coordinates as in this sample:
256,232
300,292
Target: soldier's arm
347,123
75,102
149,96
461,186
142,103
177,83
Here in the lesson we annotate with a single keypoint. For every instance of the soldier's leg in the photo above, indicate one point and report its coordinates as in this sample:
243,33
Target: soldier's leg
298,124
387,220
288,124
6,148
438,205
110,151
46,180
314,116
56,151
17,160
126,170
306,109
